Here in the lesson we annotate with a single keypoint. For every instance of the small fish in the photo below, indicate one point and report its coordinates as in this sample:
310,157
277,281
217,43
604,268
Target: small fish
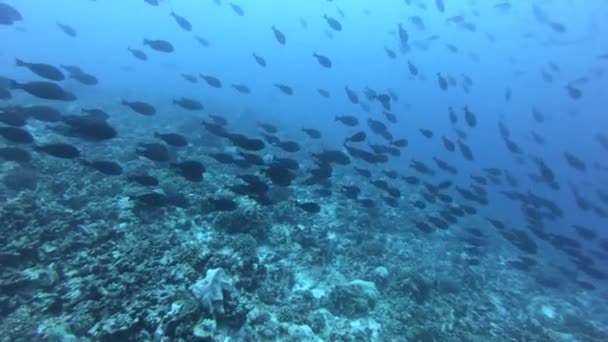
140,107
352,96
191,170
182,22
470,117
241,88
443,83
412,68
574,93
222,204
159,45
390,53
59,150
309,207
190,78
173,139
8,14
357,137
333,23
279,36
138,54
323,93
323,60
189,104
67,29
153,151
448,144
312,133
212,81
261,61
43,70
201,40
285,89
400,142
237,9
347,120
16,135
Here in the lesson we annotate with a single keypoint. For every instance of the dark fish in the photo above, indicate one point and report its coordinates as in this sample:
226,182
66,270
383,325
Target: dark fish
5,94
351,191
312,133
190,170
252,158
323,93
333,23
289,146
452,115
574,93
138,54
575,162
43,70
182,22
309,207
16,135
400,142
144,180
352,96
222,158
279,174
140,107
67,29
443,83
59,150
448,144
44,90
284,88
357,137
385,101
13,117
390,53
90,128
465,150
268,128
190,78
278,35
246,143
332,157
15,154
204,42
152,2
159,45
348,120
403,35
93,113
241,88
261,61
237,9
363,172
84,78
189,104
323,60
109,168
584,232
470,117
212,81
153,151
8,14
440,6
173,139
427,133
557,27
413,69
222,204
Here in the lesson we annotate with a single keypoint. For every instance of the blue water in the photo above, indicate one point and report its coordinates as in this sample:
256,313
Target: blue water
508,51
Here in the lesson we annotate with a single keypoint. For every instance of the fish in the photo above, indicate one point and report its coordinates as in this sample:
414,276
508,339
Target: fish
43,70
288,146
412,68
403,35
357,137
390,53
84,78
427,133
400,142
470,117
189,104
172,139
285,89
246,143
448,144
5,94
152,2
89,127
9,14
323,60
44,90
59,150
237,9
333,23
575,162
211,81
323,93
15,154
153,151
279,174
13,117
182,22
190,169
241,88
440,5
143,179
442,82
159,45
92,113
140,107
261,61
222,158
557,27
573,92
16,135
138,54
332,157
201,40
268,128
350,120
190,78
222,204
312,133
278,35
465,150
352,96
106,167
67,29
309,207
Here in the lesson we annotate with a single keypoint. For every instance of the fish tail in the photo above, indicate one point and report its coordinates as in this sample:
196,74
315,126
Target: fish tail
19,62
